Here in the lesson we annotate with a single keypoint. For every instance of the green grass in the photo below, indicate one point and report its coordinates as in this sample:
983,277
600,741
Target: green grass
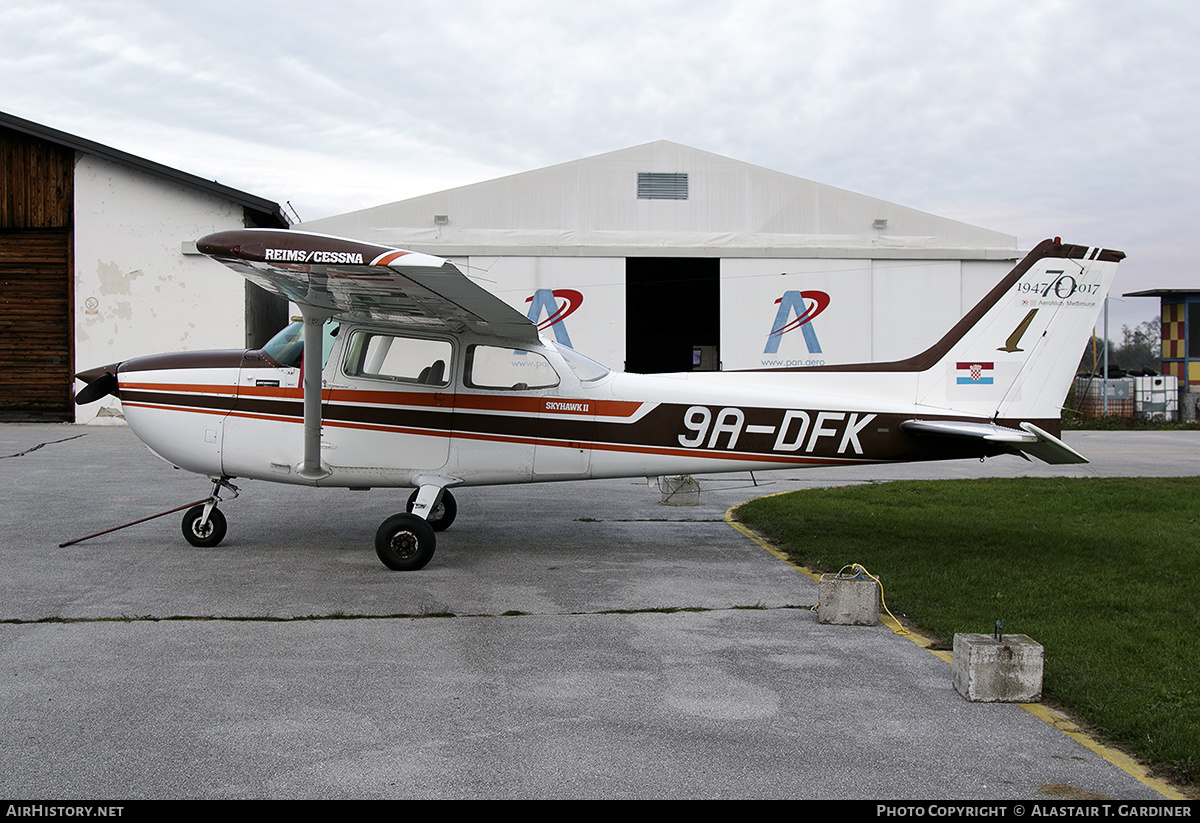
1104,573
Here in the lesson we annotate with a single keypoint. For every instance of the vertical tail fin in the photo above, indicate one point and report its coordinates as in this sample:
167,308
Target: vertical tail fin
1013,356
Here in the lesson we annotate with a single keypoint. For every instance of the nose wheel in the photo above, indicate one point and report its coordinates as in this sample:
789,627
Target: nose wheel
204,532
204,525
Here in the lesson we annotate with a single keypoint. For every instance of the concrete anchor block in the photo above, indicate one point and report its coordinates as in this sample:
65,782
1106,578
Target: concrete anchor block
679,491
1004,669
847,601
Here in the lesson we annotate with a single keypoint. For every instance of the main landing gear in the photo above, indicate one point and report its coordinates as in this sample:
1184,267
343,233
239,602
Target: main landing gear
406,542
441,513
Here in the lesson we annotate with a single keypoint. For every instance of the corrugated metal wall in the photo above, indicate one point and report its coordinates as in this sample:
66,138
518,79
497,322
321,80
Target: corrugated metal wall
35,278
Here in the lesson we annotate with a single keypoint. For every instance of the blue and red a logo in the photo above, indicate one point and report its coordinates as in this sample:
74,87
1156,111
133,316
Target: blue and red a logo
546,300
805,305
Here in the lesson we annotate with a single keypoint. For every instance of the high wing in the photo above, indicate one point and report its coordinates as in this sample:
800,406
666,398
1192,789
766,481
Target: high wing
334,277
338,277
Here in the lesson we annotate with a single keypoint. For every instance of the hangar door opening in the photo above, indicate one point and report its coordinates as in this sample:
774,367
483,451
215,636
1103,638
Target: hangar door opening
672,314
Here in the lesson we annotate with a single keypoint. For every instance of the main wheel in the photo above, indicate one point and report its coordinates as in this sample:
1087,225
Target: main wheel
204,534
405,542
443,512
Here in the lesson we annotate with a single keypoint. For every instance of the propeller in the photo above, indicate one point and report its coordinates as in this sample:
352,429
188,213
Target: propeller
106,383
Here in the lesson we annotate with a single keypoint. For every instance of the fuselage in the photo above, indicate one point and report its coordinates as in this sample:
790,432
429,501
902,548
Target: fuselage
399,407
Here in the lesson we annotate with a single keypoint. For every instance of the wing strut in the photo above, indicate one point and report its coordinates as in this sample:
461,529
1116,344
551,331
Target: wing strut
314,322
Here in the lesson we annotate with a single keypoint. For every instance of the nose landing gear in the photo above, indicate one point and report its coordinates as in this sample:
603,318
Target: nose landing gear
204,525
201,531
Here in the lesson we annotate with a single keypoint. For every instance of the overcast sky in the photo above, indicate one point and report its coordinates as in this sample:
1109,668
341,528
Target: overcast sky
1076,118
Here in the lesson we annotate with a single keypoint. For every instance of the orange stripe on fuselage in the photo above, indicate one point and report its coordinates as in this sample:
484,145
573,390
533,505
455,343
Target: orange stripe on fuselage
567,406
183,388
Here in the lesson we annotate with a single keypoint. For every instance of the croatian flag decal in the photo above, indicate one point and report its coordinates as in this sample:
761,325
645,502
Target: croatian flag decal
975,374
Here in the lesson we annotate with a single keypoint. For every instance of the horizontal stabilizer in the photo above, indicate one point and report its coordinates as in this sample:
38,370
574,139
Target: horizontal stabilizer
1028,440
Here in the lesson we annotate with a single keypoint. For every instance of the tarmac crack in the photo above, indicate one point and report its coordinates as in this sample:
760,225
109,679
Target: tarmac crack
42,445
340,616
652,520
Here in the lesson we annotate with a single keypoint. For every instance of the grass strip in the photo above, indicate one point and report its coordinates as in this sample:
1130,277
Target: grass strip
1104,573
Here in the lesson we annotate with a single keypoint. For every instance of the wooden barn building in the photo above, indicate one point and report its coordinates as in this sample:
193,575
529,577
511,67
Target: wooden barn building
97,264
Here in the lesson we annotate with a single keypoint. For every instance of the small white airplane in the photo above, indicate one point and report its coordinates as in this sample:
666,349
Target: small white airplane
404,373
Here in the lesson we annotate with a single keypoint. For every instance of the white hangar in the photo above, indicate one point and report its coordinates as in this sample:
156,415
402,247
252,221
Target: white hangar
98,264
665,258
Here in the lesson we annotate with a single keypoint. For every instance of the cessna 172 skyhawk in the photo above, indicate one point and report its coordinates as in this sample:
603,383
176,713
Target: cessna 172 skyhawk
405,373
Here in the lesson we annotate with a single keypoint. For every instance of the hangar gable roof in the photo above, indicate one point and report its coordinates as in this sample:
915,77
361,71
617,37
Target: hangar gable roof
693,203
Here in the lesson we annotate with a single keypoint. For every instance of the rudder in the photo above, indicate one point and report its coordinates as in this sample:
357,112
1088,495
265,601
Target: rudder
1012,357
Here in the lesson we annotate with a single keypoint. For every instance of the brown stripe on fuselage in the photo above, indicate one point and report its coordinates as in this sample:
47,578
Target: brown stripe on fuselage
661,430
219,359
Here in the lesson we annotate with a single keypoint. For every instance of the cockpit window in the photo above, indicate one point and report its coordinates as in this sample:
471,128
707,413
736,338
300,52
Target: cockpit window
287,347
494,367
585,368
400,359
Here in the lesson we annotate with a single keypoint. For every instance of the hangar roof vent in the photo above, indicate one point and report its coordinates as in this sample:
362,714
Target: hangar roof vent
662,186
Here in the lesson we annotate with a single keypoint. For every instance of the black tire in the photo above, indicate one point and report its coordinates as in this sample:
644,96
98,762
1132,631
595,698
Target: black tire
443,513
405,542
207,535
